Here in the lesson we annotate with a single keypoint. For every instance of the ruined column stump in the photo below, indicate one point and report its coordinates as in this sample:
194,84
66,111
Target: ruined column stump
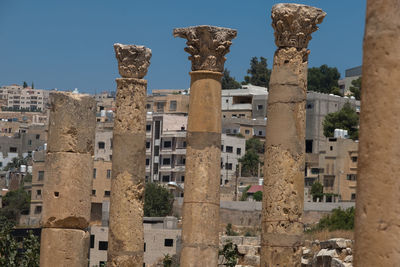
377,222
126,237
283,192
68,183
200,229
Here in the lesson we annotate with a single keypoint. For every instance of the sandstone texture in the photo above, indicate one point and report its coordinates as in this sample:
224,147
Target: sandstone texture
67,190
72,123
294,23
283,193
207,46
130,113
126,237
377,221
64,248
133,60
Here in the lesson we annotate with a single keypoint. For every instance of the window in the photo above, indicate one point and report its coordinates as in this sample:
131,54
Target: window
13,149
238,151
94,173
166,161
222,147
309,106
331,148
148,127
228,166
260,133
29,142
38,209
108,174
93,192
260,107
172,105
147,162
309,146
247,131
314,170
351,177
101,145
328,182
354,159
160,106
165,178
148,106
229,149
147,145
91,241
103,245
353,196
144,247
40,175
39,193
168,242
167,144
107,193
182,178
37,136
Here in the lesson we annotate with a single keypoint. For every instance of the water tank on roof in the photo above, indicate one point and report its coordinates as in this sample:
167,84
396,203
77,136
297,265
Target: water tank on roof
102,113
23,168
336,133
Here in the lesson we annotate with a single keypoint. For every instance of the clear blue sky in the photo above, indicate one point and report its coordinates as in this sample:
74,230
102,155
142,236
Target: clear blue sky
68,44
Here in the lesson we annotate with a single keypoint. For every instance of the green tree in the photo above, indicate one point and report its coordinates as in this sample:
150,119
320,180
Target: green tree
257,196
16,163
25,85
255,144
8,245
230,254
317,191
323,79
355,88
228,82
15,203
250,162
158,201
346,118
259,74
31,254
338,220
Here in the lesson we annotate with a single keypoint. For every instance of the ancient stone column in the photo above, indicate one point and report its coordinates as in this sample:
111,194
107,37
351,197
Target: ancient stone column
126,238
377,223
207,46
283,193
68,180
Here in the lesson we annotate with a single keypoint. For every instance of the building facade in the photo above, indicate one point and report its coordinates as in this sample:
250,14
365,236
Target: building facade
16,97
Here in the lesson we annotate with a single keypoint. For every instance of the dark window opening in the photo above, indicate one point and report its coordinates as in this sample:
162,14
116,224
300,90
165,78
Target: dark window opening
168,242
167,144
107,193
91,241
309,146
229,149
101,145
103,245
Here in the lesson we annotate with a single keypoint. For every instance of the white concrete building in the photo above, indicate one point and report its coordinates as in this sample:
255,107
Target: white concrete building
17,97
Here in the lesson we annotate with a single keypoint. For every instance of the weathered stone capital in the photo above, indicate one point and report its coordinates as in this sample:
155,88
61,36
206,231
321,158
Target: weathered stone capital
133,60
207,45
294,23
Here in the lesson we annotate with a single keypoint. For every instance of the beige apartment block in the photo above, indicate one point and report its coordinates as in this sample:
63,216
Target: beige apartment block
17,97
338,168
101,190
168,101
161,236
38,167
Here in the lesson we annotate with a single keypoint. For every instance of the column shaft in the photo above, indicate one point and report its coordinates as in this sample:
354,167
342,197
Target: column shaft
377,224
126,238
68,183
202,180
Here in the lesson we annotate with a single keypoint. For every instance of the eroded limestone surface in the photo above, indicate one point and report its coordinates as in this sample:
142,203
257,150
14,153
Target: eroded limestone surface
207,45
294,23
133,60
72,123
67,190
64,247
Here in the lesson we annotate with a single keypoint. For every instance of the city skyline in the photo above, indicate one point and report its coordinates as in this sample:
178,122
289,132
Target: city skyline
70,45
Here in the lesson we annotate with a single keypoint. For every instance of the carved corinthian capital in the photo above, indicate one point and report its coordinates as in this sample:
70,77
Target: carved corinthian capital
207,46
294,23
133,60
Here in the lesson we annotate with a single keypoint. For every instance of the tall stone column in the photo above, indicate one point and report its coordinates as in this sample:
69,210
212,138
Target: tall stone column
377,223
283,192
68,180
126,238
207,46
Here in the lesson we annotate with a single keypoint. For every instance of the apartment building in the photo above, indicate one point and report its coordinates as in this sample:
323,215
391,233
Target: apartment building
38,171
18,98
248,128
168,102
350,75
250,102
338,168
161,237
318,106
